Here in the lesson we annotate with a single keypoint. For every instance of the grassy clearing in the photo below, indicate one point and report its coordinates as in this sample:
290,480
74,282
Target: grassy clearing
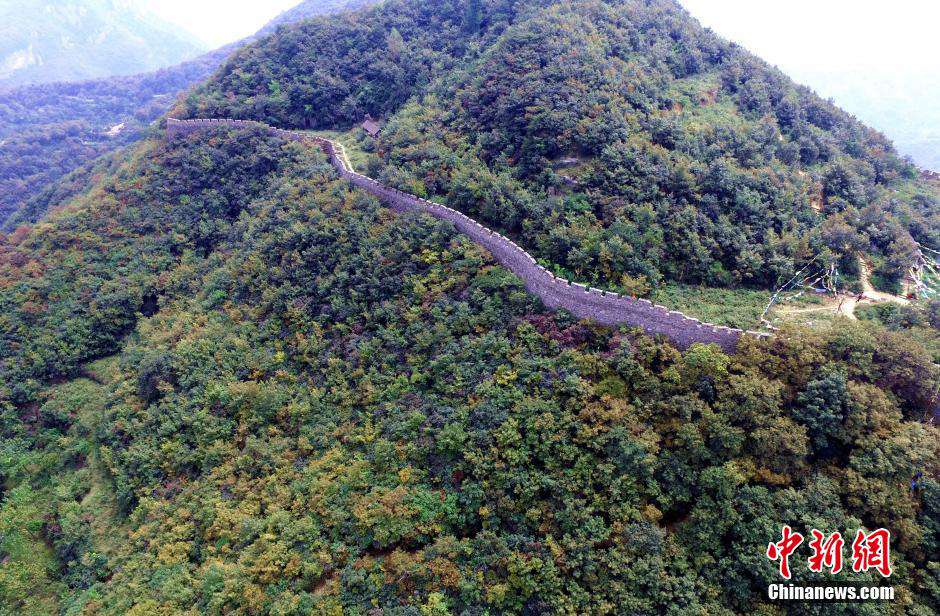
807,317
355,141
85,399
28,571
104,370
731,307
742,308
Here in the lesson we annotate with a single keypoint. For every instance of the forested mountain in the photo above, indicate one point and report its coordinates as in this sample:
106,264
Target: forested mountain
681,140
48,131
312,8
232,383
67,40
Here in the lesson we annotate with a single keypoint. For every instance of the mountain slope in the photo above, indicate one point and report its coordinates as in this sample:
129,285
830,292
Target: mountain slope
69,40
49,130
233,383
678,139
316,405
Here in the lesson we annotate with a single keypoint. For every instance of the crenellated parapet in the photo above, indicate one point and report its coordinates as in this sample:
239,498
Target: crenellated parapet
602,306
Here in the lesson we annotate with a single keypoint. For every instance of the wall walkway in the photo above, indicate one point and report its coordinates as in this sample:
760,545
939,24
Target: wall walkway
584,302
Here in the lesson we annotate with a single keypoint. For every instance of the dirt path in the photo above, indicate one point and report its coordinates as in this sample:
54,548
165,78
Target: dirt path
870,293
843,305
846,304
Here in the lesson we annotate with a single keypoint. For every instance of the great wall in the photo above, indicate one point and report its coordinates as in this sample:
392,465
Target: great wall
585,302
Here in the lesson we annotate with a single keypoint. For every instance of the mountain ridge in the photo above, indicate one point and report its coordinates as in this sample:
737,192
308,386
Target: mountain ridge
732,161
50,130
83,39
598,305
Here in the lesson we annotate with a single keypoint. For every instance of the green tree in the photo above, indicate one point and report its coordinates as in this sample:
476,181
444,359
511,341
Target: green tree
822,407
473,19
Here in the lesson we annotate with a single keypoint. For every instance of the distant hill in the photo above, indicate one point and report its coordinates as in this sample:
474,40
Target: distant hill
312,8
901,103
66,40
50,130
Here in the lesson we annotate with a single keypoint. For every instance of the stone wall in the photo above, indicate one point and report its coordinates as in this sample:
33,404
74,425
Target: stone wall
584,302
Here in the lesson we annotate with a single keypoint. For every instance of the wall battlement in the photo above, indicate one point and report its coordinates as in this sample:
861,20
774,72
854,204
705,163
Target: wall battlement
605,307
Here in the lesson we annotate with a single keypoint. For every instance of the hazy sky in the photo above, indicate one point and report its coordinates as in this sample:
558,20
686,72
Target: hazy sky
218,22
794,34
800,35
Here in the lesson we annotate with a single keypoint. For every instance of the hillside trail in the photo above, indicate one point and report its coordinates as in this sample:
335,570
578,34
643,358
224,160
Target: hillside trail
848,303
870,293
845,304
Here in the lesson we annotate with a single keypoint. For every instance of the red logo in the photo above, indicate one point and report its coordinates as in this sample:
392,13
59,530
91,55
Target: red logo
783,549
872,551
869,551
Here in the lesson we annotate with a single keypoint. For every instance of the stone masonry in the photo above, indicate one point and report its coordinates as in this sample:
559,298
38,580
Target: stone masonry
601,306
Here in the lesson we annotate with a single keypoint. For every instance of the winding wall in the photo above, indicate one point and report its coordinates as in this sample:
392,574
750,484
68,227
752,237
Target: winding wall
584,302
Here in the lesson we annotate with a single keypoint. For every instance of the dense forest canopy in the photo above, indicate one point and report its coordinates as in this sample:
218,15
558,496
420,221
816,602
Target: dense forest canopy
232,383
694,161
48,131
318,405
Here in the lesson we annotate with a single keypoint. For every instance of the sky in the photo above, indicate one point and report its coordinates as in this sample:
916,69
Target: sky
217,22
794,34
797,35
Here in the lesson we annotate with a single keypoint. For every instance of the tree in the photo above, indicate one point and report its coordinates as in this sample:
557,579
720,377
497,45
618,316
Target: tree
473,18
396,43
822,408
